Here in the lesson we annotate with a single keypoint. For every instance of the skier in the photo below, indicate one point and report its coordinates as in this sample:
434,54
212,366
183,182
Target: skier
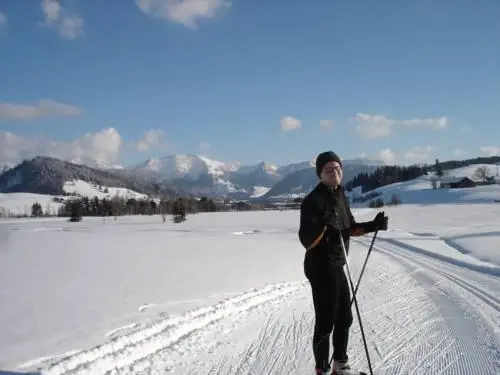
323,212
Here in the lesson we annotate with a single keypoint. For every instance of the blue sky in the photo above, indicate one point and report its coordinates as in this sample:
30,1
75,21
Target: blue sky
277,80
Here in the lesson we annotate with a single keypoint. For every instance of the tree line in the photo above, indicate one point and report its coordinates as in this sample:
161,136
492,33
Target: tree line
390,174
119,206
385,175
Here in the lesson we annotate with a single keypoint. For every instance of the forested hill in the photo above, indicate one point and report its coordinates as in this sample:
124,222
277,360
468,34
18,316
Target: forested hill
390,174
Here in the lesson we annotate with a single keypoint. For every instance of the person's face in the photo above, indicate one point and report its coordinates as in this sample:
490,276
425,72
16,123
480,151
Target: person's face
331,174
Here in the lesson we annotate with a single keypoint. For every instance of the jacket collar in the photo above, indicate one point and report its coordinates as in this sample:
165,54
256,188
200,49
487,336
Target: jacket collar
326,188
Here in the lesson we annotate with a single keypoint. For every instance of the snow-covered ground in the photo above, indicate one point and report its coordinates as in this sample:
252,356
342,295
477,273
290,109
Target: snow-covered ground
259,191
15,204
86,189
470,170
225,293
421,191
12,204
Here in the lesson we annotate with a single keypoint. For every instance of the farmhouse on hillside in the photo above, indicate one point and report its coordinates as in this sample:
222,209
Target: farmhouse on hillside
456,182
453,182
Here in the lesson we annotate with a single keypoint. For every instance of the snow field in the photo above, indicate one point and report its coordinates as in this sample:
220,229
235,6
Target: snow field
225,293
420,191
21,203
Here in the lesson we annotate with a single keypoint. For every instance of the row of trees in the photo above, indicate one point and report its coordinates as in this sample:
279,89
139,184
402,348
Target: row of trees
119,206
77,207
390,174
384,176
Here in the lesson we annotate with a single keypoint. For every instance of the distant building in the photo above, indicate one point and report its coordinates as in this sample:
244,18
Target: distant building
456,182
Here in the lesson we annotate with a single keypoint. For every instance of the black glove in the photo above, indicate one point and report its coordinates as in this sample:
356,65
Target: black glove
380,222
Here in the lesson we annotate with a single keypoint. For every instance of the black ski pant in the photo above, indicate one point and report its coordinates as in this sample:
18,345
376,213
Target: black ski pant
332,308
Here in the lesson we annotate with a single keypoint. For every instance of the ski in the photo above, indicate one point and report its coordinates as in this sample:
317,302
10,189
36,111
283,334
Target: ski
344,372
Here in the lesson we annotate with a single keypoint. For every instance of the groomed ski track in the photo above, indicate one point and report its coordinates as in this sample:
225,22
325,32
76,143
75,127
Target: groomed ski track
422,315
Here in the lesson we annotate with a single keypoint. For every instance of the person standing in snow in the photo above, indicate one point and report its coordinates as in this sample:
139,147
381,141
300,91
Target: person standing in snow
323,212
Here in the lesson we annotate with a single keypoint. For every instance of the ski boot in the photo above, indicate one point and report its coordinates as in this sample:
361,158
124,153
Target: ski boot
343,368
319,371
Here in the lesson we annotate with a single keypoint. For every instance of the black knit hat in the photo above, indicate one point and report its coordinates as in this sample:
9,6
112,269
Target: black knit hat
324,158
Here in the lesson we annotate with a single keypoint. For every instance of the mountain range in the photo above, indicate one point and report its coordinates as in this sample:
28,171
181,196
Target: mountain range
199,175
173,175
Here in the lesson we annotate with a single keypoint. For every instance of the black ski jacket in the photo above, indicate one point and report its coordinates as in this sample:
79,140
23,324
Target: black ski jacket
323,211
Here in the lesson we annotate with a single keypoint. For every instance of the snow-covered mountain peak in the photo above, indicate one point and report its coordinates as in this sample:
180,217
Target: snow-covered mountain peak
269,167
216,167
203,175
95,163
184,166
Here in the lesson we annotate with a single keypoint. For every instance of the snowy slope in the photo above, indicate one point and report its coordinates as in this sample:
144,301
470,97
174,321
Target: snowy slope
470,170
259,191
13,204
224,293
420,190
86,189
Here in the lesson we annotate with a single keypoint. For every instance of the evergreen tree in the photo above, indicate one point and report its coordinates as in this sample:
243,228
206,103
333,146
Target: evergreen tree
439,169
179,210
36,210
76,211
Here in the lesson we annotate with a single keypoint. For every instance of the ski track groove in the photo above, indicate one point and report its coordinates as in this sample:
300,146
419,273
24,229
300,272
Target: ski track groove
133,351
478,272
478,292
413,327
456,356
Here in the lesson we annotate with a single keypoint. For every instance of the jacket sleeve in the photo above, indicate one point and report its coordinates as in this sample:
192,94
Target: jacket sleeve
311,227
357,229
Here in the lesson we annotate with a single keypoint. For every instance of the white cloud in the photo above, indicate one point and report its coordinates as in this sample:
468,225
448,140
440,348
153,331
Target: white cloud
3,20
433,123
387,156
42,108
153,138
458,153
185,12
288,123
416,155
97,149
373,126
378,126
69,25
490,150
326,124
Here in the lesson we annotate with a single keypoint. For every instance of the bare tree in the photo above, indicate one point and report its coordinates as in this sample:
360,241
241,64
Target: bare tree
482,173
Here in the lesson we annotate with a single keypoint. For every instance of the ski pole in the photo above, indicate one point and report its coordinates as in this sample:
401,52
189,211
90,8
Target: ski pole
362,271
364,266
355,302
